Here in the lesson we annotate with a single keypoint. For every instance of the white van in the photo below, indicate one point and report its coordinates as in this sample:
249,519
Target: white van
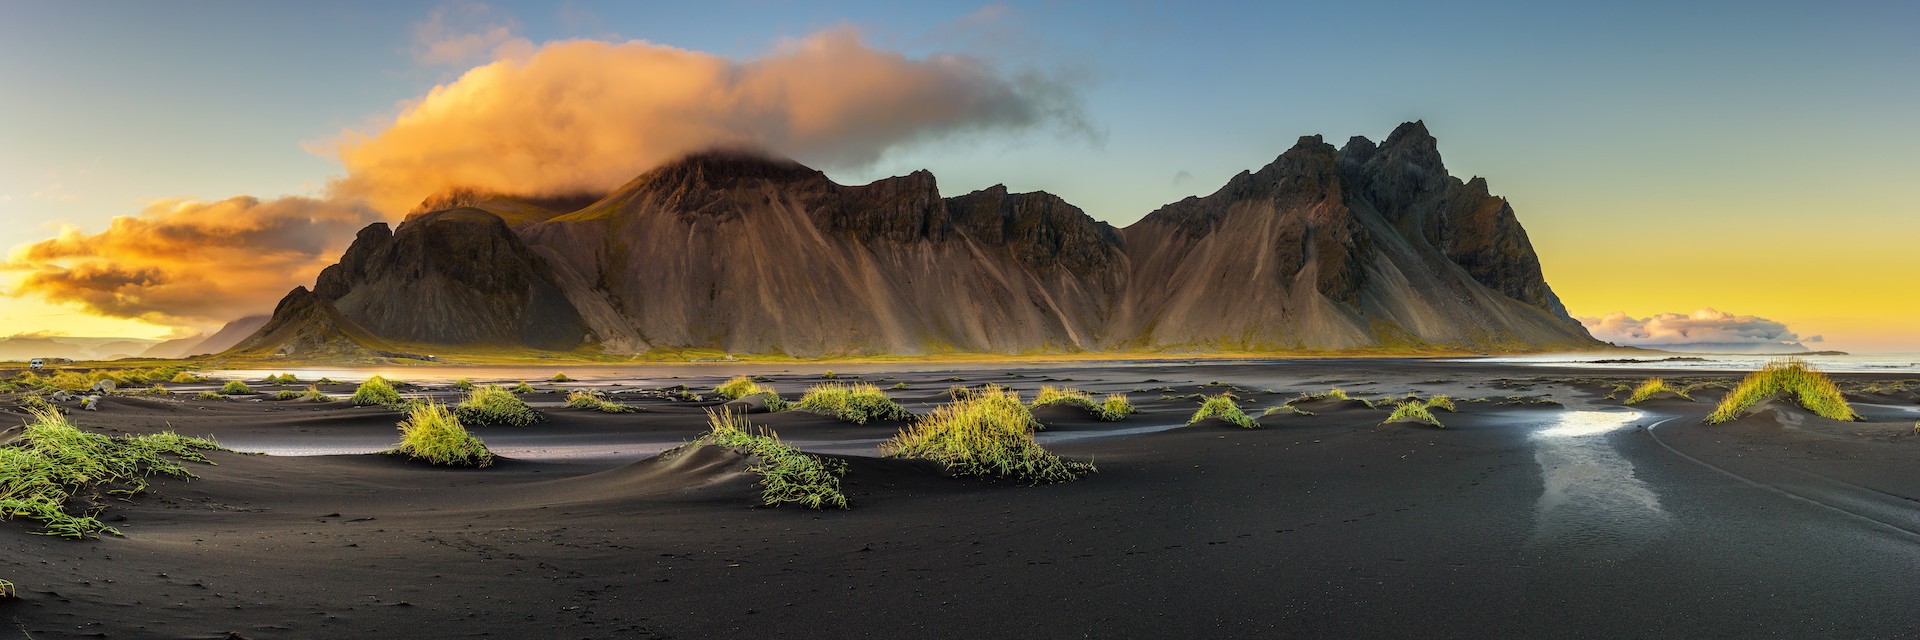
37,363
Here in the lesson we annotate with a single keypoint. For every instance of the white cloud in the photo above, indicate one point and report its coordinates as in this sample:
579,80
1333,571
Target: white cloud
1706,327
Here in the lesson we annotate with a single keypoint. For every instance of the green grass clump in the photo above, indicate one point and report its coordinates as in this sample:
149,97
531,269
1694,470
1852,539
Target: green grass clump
787,475
463,384
1050,394
1417,410
312,394
155,390
209,395
375,391
491,405
856,403
1652,386
33,403
1441,402
1225,408
523,388
1114,408
1335,393
284,378
739,387
433,434
583,399
235,387
1789,377
7,590
987,433
560,377
898,386
74,381
1286,408
185,378
53,463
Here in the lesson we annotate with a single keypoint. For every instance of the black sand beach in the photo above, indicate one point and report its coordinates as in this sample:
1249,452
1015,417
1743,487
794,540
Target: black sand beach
1543,509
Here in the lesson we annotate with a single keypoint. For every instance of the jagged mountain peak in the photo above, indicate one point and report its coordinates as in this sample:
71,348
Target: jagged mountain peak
1362,247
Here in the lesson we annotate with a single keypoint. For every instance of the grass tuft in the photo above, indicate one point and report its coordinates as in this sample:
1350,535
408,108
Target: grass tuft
1418,410
492,405
989,433
739,387
433,434
1286,408
1788,377
560,377
463,384
523,388
787,475
583,399
1224,407
375,391
1653,386
54,464
1335,393
185,378
1115,407
856,403
235,387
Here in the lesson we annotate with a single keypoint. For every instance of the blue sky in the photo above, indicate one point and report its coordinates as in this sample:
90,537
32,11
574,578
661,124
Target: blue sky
1639,137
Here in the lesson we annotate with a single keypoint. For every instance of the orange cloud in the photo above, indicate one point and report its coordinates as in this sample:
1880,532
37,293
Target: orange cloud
560,119
585,116
186,262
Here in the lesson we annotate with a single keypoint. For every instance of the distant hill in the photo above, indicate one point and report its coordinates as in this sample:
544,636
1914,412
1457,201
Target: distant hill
1369,247
27,347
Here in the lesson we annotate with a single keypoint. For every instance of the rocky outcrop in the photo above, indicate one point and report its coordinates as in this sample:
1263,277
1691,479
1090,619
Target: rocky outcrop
741,253
1363,247
459,276
307,326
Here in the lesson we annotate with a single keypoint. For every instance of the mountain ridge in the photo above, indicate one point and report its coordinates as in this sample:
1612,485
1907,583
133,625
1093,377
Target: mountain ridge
1356,248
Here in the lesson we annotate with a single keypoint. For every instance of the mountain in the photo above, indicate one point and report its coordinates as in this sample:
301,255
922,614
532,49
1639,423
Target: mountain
28,346
1361,247
175,348
229,335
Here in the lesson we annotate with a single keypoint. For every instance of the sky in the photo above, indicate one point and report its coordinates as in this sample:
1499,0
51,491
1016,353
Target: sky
1750,157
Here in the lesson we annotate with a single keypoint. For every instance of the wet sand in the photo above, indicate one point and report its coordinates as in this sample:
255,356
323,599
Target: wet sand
1546,510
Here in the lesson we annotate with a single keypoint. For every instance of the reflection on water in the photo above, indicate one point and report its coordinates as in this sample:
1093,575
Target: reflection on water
1593,506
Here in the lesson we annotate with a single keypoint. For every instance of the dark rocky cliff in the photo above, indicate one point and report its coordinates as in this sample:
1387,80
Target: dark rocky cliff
1367,246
